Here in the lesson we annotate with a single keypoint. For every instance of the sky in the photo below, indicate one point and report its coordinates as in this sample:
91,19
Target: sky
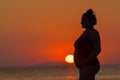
39,31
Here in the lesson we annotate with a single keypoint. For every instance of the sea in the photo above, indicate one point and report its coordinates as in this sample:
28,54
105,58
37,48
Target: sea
56,72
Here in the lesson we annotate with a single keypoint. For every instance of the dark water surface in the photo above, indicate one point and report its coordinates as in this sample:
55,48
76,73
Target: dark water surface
107,72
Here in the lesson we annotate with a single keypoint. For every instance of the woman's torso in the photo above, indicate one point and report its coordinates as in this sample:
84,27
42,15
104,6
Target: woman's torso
83,48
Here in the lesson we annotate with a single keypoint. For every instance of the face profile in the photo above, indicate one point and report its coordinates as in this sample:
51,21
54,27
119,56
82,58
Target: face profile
84,22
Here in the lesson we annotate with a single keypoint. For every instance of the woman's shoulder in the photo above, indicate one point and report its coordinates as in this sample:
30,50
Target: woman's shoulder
94,33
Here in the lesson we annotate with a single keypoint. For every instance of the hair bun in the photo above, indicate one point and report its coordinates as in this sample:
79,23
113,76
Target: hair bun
90,16
90,11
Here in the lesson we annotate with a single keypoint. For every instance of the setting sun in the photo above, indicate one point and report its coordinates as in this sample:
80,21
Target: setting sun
69,58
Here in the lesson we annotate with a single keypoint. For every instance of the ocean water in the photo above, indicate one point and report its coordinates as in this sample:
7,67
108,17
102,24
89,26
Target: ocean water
107,72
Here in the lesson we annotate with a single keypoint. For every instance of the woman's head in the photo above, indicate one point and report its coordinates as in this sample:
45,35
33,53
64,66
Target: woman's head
88,19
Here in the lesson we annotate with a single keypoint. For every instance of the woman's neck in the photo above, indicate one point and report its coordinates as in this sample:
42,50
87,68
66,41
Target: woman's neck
89,29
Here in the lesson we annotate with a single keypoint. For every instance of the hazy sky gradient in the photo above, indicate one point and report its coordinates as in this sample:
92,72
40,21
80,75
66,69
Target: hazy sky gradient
36,31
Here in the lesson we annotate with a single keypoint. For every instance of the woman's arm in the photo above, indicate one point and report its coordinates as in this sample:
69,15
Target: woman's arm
95,38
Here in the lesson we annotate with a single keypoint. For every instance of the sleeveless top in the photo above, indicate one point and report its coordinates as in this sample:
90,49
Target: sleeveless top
83,48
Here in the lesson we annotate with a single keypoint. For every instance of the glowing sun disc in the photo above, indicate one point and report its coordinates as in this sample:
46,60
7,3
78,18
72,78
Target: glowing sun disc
69,58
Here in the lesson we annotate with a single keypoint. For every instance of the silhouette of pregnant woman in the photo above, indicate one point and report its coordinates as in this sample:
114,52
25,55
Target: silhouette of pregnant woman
87,48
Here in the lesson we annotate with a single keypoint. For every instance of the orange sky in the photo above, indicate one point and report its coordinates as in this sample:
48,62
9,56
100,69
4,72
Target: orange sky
38,31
